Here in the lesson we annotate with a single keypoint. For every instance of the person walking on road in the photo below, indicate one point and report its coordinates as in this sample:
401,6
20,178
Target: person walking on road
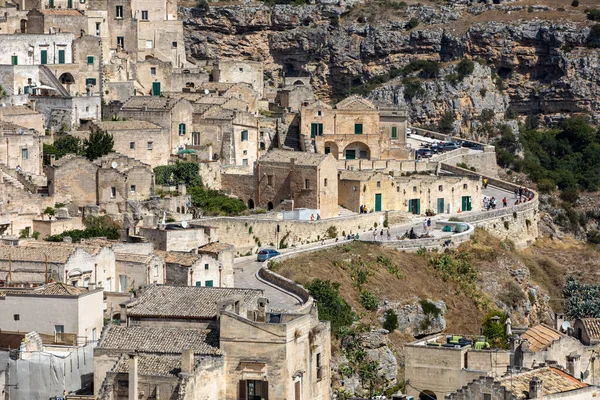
485,183
428,225
389,234
425,226
374,235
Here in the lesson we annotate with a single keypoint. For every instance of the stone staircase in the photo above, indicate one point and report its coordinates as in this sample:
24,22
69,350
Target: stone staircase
8,179
292,139
48,78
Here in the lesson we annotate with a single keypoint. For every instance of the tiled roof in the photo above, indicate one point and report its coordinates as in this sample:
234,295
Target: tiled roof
201,108
11,340
359,175
593,327
151,365
300,158
212,100
151,102
355,103
55,11
128,125
540,337
58,254
159,340
185,259
68,158
217,112
89,248
51,289
553,381
187,301
133,258
215,248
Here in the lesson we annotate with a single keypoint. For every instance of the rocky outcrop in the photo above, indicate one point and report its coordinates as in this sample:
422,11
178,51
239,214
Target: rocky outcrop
541,66
419,318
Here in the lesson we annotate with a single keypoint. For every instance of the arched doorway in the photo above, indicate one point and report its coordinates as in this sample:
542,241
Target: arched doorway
251,204
332,147
356,151
67,80
270,205
427,395
23,26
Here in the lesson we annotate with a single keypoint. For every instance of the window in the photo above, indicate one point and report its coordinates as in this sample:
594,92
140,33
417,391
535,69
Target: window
132,145
415,189
362,154
24,154
69,3
152,71
198,283
145,15
90,81
307,184
394,132
327,149
319,367
245,161
174,45
113,192
244,135
121,42
487,396
150,145
93,334
86,282
245,152
241,69
44,57
316,130
465,186
119,12
270,180
98,24
59,328
132,188
206,267
15,60
440,188
108,286
262,146
398,189
208,283
149,44
325,182
378,184
358,129
181,129
50,3
319,113
156,270
17,317
90,59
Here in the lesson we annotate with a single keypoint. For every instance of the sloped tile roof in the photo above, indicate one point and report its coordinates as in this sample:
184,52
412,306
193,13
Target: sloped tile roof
187,301
58,255
164,365
133,258
18,110
159,340
593,327
171,257
540,337
151,102
56,11
51,289
128,125
553,381
215,248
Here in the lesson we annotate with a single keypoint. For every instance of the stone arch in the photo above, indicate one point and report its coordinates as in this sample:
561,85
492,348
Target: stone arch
67,80
298,83
332,147
251,204
270,205
427,395
357,150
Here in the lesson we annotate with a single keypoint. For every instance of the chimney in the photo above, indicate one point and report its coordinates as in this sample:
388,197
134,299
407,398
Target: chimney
187,361
133,377
535,388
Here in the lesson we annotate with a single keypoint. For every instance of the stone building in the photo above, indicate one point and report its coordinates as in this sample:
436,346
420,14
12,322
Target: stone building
41,262
435,368
415,194
72,179
133,271
541,345
186,237
295,92
140,140
587,331
173,115
238,71
51,20
21,148
211,267
250,352
23,116
354,129
54,308
541,383
304,180
171,80
241,91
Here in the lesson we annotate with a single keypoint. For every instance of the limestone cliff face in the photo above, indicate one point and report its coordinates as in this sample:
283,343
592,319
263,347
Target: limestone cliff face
542,66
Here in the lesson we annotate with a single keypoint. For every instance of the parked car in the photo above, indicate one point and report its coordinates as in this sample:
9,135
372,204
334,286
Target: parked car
423,153
265,254
447,146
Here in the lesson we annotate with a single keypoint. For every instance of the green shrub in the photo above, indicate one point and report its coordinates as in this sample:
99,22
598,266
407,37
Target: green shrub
59,205
575,3
331,306
593,237
391,320
593,14
494,329
180,172
412,88
202,5
428,69
510,113
332,232
465,68
452,78
412,23
569,195
593,39
213,202
429,308
94,227
35,235
546,185
512,296
446,123
369,301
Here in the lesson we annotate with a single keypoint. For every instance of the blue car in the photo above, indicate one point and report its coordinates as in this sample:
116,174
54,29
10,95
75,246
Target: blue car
265,254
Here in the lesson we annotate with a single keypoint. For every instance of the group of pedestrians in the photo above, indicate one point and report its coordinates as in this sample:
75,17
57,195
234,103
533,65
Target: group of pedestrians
522,195
381,233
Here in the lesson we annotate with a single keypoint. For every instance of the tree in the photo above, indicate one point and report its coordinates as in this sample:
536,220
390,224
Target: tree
330,304
50,212
412,23
98,144
465,68
391,320
487,115
494,328
446,123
